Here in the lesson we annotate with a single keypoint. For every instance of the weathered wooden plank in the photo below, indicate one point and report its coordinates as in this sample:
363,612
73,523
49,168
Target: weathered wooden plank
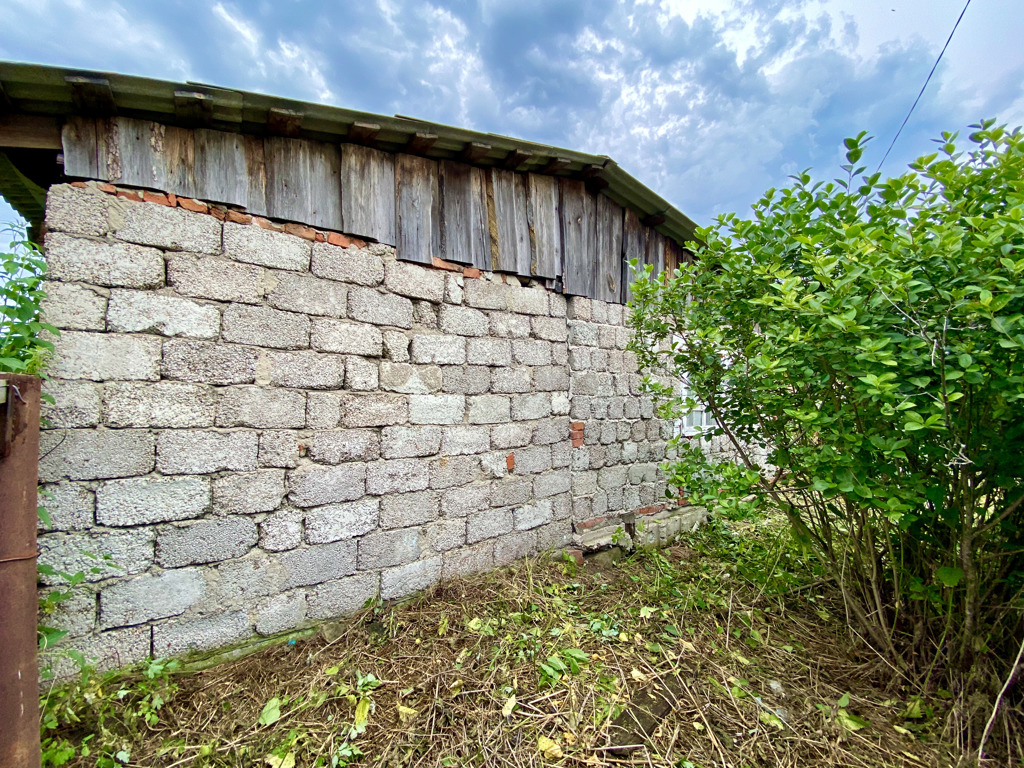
464,230
633,245
607,263
221,169
673,256
417,209
302,182
29,132
578,213
507,222
368,193
255,175
131,158
544,224
78,138
654,250
174,165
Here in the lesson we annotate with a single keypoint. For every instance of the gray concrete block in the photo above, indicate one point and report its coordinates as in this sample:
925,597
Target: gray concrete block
465,561
535,458
550,328
70,506
130,552
488,409
347,265
508,380
337,522
438,349
199,452
407,442
382,549
105,357
374,410
74,307
453,289
246,493
81,211
254,245
535,405
361,375
211,277
405,509
114,649
462,321
460,502
465,380
143,598
488,523
444,535
314,486
162,404
514,547
342,597
175,638
404,580
396,476
345,445
330,335
369,306
323,410
510,435
531,351
281,531
265,327
553,430
396,346
279,448
486,294
95,454
146,500
205,541
77,260
309,295
77,404
528,301
450,471
208,363
414,281
281,613
509,326
551,378
261,407
436,409
171,229
489,352
463,440
306,370
551,483
409,379
511,491
533,515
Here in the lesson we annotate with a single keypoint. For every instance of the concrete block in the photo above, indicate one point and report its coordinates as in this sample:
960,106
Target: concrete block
561,403
554,536
511,491
178,637
113,649
91,454
246,493
406,442
550,328
488,523
495,464
450,471
579,308
382,549
205,541
210,277
453,291
396,476
465,561
551,378
462,321
486,295
528,301
465,380
404,580
551,483
163,404
347,265
342,597
462,440
511,380
171,229
361,375
396,346
536,458
309,295
514,547
533,515
560,354
444,535
74,307
374,410
315,486
71,507
369,306
510,435
281,531
323,410
337,522
208,363
531,351
77,404
241,583
583,334
409,379
436,409
281,613
414,281
438,349
116,265
265,327
105,357
279,448
146,500
147,597
345,445
346,338
81,211
488,352
406,509
488,409
460,502
536,405
130,551
550,431
262,408
509,326
199,452
255,245
561,455
306,370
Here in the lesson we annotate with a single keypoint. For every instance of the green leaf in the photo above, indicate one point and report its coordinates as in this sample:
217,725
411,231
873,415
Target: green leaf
850,721
271,712
948,576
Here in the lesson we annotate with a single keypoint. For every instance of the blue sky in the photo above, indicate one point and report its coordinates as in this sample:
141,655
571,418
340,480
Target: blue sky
707,102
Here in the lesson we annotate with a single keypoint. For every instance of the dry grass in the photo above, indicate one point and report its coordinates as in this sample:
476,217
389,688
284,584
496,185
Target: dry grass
683,663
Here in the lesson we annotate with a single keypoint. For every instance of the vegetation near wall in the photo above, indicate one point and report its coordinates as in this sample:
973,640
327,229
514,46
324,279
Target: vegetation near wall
22,268
868,335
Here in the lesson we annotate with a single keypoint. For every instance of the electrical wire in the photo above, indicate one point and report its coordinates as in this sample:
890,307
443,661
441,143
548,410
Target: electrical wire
921,93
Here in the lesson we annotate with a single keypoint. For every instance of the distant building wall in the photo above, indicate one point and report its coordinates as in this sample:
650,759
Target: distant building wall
267,428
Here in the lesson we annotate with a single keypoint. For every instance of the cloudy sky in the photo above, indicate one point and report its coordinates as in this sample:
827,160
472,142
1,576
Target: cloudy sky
708,102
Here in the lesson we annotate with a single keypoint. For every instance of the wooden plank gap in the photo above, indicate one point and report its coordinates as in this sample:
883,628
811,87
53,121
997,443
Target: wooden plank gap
91,95
193,109
284,122
421,143
363,133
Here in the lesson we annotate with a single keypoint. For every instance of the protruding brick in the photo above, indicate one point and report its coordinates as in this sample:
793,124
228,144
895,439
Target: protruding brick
256,245
146,500
76,260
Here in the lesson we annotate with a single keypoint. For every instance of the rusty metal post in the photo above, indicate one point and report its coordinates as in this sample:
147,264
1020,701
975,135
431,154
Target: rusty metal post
19,674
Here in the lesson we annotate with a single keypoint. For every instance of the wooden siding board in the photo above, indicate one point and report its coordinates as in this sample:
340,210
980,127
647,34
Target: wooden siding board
633,247
255,175
302,182
368,193
464,230
221,168
417,209
509,228
78,138
578,209
607,264
544,223
654,250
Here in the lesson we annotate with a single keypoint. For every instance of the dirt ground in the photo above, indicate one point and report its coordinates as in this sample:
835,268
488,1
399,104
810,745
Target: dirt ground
666,658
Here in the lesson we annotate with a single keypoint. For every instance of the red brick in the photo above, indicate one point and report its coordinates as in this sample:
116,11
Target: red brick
578,425
335,238
237,217
110,189
172,198
79,184
300,230
577,442
128,195
510,461
442,264
321,237
357,243
471,272
259,221
155,197
575,554
193,205
218,213
653,509
592,523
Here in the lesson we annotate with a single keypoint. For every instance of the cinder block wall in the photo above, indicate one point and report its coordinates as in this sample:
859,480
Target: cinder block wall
264,426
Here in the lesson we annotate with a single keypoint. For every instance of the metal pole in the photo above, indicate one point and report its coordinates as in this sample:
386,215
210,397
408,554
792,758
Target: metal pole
19,673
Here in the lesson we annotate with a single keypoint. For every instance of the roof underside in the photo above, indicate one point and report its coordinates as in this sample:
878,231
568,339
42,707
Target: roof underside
58,93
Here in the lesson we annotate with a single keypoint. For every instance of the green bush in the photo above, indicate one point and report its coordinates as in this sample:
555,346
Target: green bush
860,345
22,269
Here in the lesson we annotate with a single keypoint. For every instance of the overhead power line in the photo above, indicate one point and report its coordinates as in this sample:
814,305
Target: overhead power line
926,81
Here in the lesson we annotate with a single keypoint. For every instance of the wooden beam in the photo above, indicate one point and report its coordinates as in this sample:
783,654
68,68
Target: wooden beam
363,133
193,109
91,95
653,220
475,151
556,164
517,158
29,132
421,143
284,122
